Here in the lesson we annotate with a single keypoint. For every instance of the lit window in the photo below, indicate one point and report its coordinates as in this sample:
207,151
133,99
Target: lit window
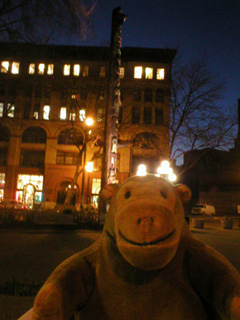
160,74
138,72
50,68
4,66
85,71
1,109
102,72
66,69
99,114
29,180
31,68
101,93
10,110
122,72
76,69
2,185
74,93
35,115
46,112
72,115
82,114
148,73
41,68
15,67
36,111
63,113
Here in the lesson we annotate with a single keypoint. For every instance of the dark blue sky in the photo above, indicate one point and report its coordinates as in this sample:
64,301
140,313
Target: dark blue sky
195,27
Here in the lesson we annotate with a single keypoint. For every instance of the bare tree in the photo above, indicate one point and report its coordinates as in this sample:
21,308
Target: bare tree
196,120
90,143
41,21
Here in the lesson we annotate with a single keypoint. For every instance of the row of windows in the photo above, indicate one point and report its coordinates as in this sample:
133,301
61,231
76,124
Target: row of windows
147,115
80,115
30,159
147,73
75,70
72,116
82,93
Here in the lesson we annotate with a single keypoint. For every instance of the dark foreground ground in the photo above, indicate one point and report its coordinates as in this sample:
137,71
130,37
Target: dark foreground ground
29,256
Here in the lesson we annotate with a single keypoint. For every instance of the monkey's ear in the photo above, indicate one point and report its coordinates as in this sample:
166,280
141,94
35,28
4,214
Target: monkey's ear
108,191
184,193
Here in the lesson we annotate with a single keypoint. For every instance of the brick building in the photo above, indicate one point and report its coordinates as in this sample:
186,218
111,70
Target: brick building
215,177
46,93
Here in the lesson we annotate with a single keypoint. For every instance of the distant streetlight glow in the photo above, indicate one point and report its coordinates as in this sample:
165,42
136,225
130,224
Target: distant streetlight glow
141,170
89,122
166,171
89,167
172,177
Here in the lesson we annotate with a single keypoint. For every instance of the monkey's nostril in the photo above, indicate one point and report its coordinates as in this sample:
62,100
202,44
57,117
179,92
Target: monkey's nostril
145,220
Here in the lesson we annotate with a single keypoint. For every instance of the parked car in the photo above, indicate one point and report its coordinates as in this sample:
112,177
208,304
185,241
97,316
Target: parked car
11,204
203,209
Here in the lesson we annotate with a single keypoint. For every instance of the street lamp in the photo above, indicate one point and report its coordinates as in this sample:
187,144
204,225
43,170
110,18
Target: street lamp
88,123
166,171
141,170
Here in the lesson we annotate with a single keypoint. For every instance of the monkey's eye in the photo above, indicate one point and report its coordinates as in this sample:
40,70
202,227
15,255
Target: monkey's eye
127,194
163,194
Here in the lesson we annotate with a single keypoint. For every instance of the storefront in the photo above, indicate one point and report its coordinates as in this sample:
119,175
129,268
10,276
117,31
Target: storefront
96,186
29,190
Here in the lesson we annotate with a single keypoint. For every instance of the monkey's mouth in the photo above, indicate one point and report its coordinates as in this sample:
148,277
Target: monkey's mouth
150,243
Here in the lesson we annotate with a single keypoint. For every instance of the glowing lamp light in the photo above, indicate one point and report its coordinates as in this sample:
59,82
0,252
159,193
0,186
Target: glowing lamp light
172,177
164,168
89,167
89,122
165,164
141,170
166,171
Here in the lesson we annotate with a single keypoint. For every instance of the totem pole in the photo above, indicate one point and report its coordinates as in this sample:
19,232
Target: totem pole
113,100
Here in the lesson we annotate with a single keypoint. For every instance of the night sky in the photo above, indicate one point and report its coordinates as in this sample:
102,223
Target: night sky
195,27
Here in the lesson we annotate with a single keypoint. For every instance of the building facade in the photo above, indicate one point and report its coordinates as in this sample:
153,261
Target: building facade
46,94
214,178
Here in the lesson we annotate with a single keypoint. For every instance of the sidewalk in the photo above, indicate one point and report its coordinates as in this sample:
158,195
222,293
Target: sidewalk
214,222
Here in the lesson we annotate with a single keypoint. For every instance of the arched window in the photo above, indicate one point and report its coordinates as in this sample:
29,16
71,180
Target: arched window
135,115
159,116
70,137
147,115
148,95
160,95
136,94
4,134
34,135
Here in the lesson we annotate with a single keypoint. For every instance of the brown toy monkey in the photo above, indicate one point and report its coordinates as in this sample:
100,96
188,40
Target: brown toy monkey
146,265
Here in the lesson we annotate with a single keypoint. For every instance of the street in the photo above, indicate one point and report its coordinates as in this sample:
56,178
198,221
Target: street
29,256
